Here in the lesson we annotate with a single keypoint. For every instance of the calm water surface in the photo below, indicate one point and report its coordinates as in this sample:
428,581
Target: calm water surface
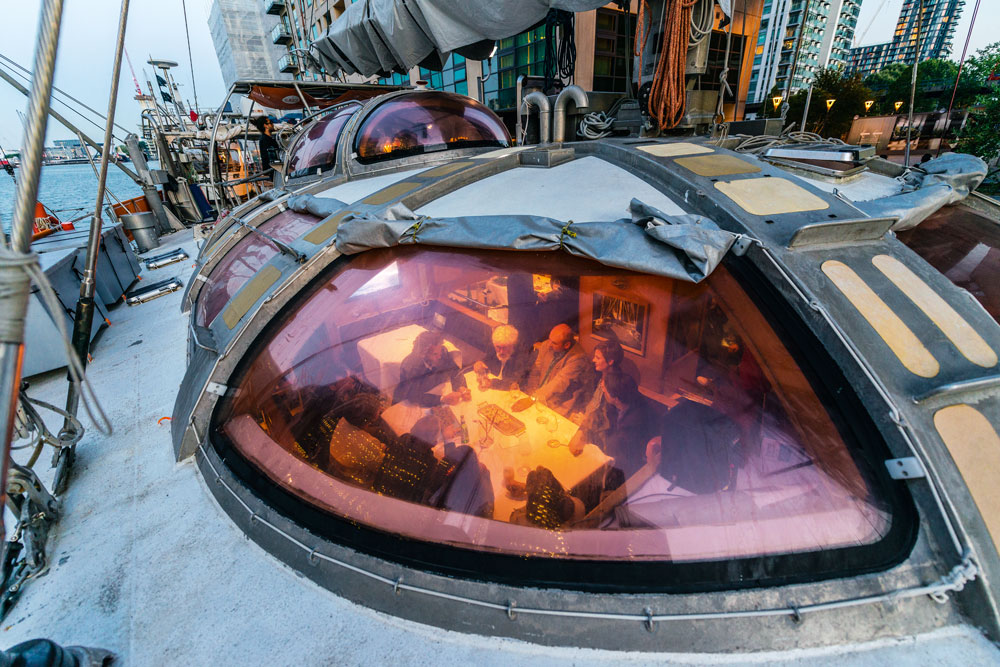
68,189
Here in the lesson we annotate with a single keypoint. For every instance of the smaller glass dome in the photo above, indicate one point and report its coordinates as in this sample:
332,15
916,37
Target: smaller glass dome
316,147
426,122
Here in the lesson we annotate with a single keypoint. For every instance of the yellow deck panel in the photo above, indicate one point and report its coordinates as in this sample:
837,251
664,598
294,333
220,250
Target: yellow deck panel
246,297
975,447
673,150
959,332
710,166
391,193
900,338
771,196
445,169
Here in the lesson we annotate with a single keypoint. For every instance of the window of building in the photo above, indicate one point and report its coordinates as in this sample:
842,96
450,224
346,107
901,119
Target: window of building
612,53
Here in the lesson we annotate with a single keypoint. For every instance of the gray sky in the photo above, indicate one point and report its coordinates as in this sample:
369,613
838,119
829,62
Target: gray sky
156,27
86,52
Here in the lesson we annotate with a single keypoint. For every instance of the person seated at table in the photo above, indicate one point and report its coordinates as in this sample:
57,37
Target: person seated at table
455,479
597,415
509,362
633,423
426,368
699,452
560,373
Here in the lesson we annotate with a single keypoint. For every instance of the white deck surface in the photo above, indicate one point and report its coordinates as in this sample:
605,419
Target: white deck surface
601,191
146,564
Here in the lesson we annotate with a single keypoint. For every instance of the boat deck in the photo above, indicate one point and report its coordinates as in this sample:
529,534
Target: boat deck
144,563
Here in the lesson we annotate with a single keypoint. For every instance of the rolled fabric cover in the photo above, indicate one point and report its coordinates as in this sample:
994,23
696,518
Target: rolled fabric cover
934,184
686,247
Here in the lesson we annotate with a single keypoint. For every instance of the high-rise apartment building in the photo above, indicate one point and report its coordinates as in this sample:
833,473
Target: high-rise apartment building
241,33
935,20
797,38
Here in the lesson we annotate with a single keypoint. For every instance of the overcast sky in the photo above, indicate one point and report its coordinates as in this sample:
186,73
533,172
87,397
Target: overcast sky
156,28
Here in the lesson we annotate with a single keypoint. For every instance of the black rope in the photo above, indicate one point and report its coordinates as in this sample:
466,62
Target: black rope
560,51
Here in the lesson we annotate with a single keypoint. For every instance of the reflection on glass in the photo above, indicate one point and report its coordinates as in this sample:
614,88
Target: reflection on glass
316,147
410,412
416,123
245,259
965,247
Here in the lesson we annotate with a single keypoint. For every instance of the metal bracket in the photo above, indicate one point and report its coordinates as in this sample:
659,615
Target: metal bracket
742,244
216,388
905,468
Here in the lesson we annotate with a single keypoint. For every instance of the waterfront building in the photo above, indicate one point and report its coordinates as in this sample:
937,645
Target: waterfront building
245,40
797,38
935,22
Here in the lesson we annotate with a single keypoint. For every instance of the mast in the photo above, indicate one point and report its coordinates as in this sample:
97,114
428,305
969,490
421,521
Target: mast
16,262
85,305
913,84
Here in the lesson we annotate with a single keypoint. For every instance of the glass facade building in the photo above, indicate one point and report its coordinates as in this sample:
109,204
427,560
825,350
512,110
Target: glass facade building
797,38
935,23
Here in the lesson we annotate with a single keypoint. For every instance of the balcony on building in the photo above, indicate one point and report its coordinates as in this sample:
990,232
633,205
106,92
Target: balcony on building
274,7
281,35
289,63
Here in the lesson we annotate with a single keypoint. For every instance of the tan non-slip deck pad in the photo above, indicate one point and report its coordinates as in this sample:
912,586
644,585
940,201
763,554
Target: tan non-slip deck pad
771,196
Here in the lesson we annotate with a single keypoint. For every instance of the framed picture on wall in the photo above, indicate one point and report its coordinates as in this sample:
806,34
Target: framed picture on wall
620,319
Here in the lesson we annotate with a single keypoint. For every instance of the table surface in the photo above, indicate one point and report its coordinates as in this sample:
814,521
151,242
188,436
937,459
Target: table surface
522,453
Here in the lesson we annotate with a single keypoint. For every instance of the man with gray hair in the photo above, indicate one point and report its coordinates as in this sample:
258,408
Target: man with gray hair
509,362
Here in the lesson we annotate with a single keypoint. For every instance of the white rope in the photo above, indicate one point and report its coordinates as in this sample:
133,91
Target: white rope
595,125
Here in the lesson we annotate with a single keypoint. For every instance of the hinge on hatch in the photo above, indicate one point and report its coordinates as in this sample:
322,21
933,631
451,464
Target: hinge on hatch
216,388
905,468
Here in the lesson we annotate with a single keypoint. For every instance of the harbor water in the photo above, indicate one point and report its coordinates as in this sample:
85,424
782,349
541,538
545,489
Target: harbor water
69,190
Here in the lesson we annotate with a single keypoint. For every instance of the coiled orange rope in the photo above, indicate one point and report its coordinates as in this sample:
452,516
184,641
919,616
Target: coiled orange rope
668,95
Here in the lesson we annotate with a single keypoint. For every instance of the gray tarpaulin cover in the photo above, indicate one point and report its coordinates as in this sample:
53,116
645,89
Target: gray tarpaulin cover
382,36
321,207
688,247
936,183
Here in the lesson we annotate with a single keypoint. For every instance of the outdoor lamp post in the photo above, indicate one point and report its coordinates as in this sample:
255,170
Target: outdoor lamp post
898,104
829,104
868,105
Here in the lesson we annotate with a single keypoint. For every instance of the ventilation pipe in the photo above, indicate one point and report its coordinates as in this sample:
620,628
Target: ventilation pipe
569,94
538,99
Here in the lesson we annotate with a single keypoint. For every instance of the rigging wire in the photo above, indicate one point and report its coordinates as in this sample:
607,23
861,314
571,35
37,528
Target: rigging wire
26,74
187,34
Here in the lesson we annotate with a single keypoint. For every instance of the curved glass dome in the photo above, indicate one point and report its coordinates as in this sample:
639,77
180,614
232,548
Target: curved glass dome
426,122
316,147
246,258
467,401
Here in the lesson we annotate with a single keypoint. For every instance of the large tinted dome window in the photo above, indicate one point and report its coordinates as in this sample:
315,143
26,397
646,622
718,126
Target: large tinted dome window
425,122
316,147
465,398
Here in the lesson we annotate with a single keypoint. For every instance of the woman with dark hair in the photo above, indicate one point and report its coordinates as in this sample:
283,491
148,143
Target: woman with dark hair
597,416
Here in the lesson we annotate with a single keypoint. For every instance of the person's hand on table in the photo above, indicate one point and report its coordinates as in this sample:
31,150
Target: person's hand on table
654,452
452,432
452,398
576,444
576,418
465,393
480,368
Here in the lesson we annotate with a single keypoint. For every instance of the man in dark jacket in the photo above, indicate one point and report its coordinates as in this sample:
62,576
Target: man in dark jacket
427,367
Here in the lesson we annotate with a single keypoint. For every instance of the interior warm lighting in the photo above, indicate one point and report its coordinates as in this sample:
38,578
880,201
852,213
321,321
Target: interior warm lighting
469,400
